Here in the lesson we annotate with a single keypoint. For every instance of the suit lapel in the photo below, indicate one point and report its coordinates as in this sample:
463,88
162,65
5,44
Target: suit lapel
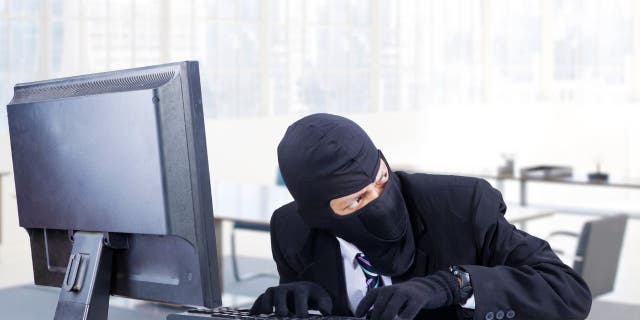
327,269
422,262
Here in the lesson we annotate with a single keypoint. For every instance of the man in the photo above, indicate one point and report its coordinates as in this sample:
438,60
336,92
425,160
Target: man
362,240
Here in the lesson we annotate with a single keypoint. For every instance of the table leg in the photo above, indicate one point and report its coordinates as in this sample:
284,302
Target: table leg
500,185
523,192
218,230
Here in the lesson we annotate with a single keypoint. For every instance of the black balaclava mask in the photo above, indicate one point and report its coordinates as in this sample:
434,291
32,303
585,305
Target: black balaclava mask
323,157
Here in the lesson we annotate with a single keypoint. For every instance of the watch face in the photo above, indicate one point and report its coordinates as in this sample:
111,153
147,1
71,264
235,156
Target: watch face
465,289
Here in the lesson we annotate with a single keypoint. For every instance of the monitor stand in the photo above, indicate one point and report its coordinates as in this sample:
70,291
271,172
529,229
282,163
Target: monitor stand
84,293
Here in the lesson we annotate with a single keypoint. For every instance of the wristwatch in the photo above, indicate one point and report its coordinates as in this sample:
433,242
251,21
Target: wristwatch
466,290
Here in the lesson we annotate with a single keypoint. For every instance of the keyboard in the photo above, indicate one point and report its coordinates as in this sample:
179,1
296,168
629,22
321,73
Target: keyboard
225,313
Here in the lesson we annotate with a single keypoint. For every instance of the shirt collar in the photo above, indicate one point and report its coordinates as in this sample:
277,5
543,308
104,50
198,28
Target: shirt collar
348,251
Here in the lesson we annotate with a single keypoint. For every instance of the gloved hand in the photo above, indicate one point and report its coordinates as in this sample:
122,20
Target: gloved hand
405,299
293,298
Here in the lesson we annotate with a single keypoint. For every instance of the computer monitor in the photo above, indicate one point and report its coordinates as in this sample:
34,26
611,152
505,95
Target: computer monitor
112,185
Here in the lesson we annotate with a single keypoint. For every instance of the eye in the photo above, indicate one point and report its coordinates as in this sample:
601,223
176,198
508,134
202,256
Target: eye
383,178
355,203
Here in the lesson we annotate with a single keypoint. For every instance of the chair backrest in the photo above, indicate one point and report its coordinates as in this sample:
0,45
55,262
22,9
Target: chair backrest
599,246
279,179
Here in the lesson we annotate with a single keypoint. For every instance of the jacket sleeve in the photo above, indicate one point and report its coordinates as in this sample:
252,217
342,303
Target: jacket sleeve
519,276
286,272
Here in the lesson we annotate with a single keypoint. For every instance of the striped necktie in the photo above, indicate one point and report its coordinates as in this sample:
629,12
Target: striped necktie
373,279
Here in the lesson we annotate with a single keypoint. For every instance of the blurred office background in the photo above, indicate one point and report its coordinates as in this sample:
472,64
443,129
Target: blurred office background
441,86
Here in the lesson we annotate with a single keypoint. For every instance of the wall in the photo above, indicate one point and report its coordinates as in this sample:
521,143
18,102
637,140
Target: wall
467,138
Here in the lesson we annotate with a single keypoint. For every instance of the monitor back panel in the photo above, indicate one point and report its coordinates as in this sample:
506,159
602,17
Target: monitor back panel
91,163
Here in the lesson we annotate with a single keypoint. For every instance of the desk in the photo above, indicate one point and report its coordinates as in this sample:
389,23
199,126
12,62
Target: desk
521,215
38,302
32,302
614,182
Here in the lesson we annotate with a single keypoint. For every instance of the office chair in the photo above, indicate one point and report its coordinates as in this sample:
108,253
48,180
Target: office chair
234,258
598,252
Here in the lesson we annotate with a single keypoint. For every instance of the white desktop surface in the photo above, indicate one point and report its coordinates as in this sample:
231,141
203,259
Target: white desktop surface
18,303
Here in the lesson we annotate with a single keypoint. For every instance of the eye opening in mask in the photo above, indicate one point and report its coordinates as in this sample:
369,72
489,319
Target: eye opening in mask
385,219
351,203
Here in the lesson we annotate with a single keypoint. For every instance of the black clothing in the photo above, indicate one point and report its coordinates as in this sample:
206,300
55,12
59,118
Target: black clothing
324,156
293,298
455,221
406,299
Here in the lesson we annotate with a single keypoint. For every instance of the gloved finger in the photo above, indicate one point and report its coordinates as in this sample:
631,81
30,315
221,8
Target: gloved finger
325,305
411,310
393,307
301,301
366,303
280,301
256,307
381,304
264,304
320,300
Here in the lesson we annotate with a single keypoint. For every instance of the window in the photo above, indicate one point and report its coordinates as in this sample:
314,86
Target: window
593,47
20,47
515,50
276,57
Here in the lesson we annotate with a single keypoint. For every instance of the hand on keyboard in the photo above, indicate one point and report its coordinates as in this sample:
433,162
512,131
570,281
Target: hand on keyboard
293,298
404,300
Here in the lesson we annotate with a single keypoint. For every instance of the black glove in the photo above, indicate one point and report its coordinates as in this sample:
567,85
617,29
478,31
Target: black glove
405,299
293,298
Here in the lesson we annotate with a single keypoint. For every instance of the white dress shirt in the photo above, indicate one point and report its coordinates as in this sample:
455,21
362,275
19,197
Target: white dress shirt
355,280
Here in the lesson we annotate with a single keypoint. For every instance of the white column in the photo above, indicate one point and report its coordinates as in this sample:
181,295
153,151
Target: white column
44,48
82,39
374,82
546,50
635,60
267,107
486,48
164,31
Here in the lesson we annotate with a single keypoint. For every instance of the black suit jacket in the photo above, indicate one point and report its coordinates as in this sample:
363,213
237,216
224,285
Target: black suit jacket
456,221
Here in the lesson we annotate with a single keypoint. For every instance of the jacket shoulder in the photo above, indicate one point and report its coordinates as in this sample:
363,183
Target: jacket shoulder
423,182
288,229
442,197
286,215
